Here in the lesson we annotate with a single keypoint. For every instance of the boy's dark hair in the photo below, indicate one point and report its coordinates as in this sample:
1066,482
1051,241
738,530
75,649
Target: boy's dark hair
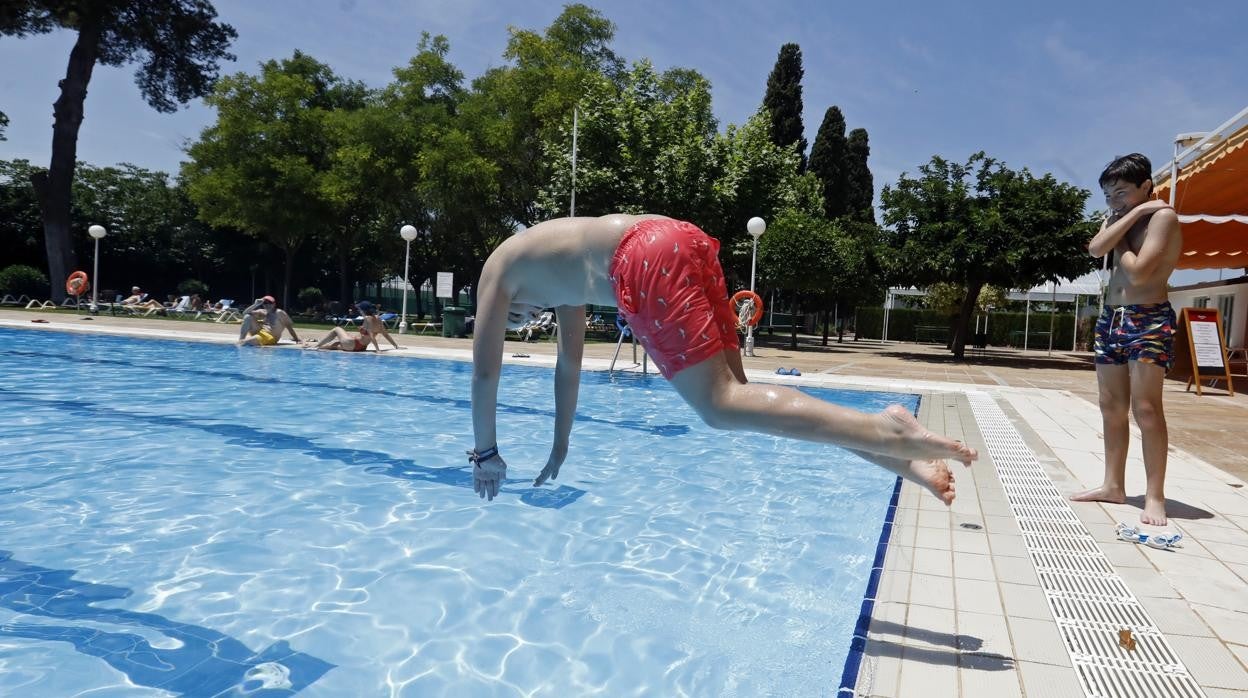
1134,168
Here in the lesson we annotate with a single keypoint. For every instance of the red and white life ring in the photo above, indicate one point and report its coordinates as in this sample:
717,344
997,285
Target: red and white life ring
77,283
740,296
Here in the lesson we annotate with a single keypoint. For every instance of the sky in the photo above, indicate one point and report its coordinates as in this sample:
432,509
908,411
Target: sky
1057,87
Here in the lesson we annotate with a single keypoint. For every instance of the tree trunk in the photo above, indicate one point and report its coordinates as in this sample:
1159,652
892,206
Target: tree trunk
826,319
416,284
344,272
287,273
964,318
54,187
793,325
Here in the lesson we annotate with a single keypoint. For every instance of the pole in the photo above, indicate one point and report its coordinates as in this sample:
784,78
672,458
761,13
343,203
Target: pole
1052,315
95,279
1027,321
1074,343
1174,172
888,303
407,262
1101,278
749,329
572,208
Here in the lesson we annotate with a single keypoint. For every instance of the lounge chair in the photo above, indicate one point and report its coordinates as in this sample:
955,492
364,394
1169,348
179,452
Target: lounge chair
544,324
179,309
390,320
37,304
10,300
227,313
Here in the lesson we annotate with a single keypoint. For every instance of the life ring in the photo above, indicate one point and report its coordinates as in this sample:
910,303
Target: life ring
743,295
77,283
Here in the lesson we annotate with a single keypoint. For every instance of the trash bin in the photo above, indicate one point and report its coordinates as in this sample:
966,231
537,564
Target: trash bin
453,321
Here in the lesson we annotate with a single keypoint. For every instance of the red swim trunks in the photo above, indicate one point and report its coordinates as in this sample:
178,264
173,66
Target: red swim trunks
671,289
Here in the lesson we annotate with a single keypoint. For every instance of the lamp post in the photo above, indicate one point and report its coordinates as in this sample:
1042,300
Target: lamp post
755,227
408,233
97,232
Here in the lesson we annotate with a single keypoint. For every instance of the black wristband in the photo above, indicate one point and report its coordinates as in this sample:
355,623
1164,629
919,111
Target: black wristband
477,458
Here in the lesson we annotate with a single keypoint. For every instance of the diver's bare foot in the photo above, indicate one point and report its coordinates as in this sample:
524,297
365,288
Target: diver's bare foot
919,444
935,476
1103,493
1154,513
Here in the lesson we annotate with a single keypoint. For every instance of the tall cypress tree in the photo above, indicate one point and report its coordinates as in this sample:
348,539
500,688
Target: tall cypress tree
859,183
784,101
829,163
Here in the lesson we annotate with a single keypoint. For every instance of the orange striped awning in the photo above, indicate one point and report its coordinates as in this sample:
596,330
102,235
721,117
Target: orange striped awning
1212,200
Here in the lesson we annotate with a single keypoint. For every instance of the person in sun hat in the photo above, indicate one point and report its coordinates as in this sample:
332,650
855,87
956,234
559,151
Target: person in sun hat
371,327
665,277
265,329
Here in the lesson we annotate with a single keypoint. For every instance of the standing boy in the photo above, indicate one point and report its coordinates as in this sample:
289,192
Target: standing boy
1135,334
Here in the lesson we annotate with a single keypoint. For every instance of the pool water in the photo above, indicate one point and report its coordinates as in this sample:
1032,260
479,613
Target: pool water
201,519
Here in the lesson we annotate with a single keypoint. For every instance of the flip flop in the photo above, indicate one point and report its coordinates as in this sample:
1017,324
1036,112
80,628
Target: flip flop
782,371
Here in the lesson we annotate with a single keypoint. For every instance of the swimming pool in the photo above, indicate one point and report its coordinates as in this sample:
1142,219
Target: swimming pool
192,518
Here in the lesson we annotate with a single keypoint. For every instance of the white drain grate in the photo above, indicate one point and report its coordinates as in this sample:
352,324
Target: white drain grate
1087,598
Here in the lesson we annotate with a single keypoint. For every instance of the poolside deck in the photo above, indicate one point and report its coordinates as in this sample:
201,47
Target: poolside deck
965,612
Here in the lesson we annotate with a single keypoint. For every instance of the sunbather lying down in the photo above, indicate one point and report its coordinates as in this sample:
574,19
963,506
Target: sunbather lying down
371,327
664,276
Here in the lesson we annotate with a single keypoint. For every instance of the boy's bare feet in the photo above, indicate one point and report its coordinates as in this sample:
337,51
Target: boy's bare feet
1112,495
917,443
1154,512
935,476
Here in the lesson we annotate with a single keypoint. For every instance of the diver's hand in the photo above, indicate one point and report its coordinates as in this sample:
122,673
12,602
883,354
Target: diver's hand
551,472
488,476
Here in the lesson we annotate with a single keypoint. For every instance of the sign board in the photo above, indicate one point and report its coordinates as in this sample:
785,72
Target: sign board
1206,346
446,284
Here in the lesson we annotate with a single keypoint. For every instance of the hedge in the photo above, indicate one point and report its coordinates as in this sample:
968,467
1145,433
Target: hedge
1002,326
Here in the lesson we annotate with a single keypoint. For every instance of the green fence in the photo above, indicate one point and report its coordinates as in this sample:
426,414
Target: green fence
1004,329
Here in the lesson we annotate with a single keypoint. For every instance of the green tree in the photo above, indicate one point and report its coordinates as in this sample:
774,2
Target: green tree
21,228
262,167
981,223
947,298
647,146
758,178
178,45
860,185
800,254
829,162
4,123
783,102
516,110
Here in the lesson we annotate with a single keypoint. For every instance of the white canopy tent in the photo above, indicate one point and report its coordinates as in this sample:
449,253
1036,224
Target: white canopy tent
1063,291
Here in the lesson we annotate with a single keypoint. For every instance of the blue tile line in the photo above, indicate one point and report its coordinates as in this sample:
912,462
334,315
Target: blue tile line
207,662
375,462
858,644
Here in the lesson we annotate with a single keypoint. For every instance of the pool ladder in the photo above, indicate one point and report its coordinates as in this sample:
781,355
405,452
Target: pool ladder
625,332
